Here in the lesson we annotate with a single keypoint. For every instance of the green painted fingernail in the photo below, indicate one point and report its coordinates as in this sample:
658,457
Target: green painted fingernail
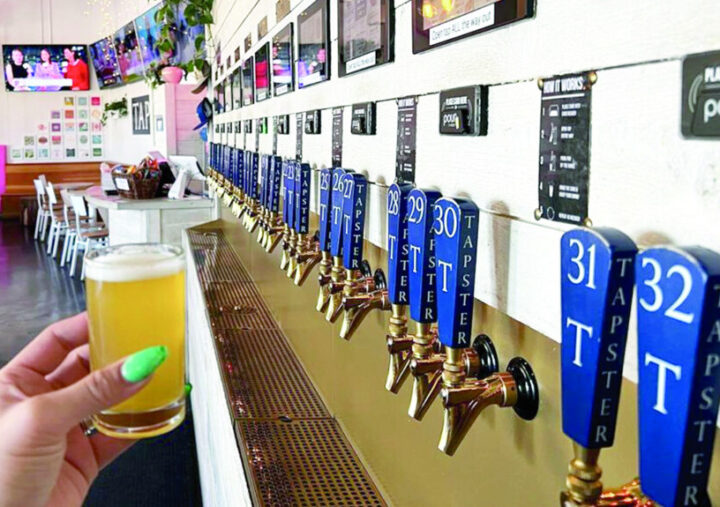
188,389
142,364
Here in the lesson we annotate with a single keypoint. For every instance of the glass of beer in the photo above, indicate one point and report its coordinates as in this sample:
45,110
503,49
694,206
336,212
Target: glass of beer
135,300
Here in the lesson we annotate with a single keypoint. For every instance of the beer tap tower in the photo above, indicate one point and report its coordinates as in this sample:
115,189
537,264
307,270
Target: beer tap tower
678,314
455,226
324,212
597,288
398,342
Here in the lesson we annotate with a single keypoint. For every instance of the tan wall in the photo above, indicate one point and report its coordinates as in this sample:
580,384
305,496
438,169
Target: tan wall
503,462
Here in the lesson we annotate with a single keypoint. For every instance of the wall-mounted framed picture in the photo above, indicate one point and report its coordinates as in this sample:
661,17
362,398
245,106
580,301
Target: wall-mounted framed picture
262,73
366,36
282,61
437,22
313,33
248,81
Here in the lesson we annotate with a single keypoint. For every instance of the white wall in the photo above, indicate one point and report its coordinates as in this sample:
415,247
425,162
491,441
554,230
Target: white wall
645,178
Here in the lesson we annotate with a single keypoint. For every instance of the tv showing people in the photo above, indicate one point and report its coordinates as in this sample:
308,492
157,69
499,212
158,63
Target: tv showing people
248,84
282,61
105,62
313,66
185,36
148,32
262,73
46,68
128,53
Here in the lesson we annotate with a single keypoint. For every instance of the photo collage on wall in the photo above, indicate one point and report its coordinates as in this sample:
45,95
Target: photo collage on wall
72,132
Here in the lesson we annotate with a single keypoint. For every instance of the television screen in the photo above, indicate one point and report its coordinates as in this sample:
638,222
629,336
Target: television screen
228,94
236,88
364,38
313,48
46,68
148,32
220,98
282,61
128,53
185,36
262,72
105,62
248,86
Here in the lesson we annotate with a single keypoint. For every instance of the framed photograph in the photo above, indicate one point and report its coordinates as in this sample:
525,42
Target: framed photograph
366,36
282,61
313,29
437,22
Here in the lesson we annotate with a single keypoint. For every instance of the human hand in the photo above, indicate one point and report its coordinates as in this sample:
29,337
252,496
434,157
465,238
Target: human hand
45,393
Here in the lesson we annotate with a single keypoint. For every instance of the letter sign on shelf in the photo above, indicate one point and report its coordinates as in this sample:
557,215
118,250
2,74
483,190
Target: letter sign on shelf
398,243
455,225
421,255
353,219
326,176
678,295
596,287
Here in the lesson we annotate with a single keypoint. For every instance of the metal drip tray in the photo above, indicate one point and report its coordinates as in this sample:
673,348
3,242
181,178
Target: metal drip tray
294,453
264,377
305,463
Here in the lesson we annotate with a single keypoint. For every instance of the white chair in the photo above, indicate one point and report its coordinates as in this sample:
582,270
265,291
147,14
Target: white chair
58,226
43,212
87,237
70,232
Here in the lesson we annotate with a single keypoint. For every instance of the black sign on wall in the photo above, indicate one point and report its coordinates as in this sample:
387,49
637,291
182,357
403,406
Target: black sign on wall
274,134
299,119
701,95
406,139
258,127
337,136
141,115
564,163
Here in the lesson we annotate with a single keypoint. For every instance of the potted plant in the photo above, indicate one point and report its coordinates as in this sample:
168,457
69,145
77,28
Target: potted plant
116,109
197,13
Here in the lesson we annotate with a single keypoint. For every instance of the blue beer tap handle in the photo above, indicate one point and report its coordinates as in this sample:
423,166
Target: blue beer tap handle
596,288
398,243
455,225
302,197
324,208
336,212
285,164
290,194
421,255
231,166
275,175
265,183
226,161
237,178
253,175
678,312
353,218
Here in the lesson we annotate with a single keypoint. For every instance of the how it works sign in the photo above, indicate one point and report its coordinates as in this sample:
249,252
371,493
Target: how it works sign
701,95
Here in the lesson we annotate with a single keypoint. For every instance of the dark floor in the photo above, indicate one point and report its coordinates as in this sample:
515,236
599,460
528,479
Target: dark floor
34,292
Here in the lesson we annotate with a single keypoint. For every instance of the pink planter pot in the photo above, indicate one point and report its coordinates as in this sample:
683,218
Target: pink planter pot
172,75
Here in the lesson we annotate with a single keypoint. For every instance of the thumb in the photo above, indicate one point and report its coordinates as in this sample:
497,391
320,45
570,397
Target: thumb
104,388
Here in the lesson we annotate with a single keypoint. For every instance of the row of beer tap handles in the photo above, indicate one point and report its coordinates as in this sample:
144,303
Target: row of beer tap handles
432,243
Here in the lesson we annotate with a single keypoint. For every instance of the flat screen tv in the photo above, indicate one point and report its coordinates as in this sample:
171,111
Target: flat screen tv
185,36
220,98
282,61
46,68
365,34
262,72
148,32
228,94
248,81
236,78
438,22
128,53
105,63
313,65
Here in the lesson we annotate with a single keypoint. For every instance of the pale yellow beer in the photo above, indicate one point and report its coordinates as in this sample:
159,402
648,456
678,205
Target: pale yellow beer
135,300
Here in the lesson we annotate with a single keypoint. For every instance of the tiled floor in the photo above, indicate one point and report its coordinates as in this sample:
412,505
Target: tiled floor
34,292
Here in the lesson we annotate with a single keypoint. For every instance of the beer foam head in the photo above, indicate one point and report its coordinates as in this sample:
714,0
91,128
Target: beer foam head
127,263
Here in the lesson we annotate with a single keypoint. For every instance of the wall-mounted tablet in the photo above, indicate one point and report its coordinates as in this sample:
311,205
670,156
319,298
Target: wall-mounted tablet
365,34
262,72
282,61
105,63
229,104
128,53
438,22
237,88
313,65
248,81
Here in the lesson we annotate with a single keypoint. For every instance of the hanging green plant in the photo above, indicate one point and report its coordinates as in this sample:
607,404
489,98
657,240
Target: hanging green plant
197,13
116,109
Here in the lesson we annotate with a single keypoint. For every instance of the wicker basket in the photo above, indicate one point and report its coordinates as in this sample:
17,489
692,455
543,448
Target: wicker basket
130,187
